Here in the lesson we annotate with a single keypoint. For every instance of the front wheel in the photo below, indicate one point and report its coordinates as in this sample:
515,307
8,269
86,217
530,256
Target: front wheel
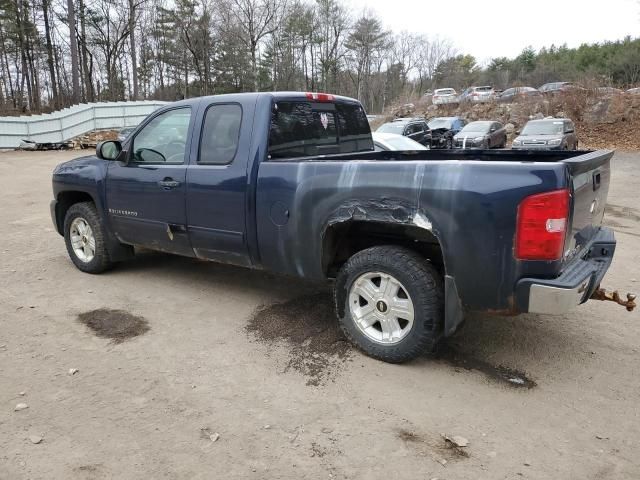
389,302
85,238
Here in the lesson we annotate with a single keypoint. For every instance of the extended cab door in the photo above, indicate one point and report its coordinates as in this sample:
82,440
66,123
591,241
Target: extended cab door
146,193
217,183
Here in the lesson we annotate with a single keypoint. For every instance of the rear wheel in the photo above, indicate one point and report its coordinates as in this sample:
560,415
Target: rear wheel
390,303
85,238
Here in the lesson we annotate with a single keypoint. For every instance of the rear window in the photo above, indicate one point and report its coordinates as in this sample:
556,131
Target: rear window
445,91
302,129
483,89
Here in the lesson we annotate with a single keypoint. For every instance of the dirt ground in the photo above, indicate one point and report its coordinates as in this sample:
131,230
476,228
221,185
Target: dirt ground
188,369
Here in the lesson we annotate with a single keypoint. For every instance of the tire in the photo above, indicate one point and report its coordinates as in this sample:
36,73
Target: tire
422,286
79,214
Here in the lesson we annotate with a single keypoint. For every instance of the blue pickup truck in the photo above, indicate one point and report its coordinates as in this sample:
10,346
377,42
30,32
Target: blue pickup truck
289,182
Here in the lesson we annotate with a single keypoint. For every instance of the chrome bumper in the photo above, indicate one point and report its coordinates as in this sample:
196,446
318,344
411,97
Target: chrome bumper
574,286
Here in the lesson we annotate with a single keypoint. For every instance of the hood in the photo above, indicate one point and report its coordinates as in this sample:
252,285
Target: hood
439,131
79,163
461,135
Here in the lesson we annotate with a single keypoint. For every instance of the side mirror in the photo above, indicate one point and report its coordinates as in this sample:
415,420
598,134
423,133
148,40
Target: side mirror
569,131
493,129
108,150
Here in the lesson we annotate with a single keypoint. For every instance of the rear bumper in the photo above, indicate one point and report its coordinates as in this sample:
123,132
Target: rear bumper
537,147
574,286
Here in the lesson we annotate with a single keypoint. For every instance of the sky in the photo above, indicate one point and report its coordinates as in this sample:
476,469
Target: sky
497,28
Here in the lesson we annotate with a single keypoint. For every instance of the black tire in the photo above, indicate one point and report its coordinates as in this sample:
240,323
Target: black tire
424,286
101,260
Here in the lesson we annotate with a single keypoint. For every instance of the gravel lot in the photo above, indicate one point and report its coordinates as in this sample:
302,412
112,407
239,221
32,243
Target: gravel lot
208,352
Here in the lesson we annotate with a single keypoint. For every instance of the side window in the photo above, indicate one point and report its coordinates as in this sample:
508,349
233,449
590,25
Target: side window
163,139
411,129
220,134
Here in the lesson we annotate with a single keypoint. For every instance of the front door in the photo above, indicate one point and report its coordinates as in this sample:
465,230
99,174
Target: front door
146,193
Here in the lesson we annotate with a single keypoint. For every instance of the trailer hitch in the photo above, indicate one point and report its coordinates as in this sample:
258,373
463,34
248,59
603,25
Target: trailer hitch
602,294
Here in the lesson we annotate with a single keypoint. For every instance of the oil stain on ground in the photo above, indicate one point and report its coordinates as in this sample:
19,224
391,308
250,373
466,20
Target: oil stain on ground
308,325
499,373
117,325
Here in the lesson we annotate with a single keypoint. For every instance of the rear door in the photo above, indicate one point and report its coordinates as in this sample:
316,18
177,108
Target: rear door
217,183
146,194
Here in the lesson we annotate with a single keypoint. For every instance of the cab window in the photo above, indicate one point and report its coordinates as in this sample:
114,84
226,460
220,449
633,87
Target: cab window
163,139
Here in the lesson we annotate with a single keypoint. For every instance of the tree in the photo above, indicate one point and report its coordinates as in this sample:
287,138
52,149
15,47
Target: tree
75,68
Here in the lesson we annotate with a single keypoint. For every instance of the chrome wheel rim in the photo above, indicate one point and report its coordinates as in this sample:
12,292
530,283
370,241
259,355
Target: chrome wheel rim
381,307
83,241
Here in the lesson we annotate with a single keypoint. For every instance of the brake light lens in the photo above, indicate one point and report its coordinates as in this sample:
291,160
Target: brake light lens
320,97
542,225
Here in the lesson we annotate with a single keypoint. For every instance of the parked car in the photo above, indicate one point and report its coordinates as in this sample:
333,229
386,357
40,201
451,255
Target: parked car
477,94
392,141
481,134
289,183
608,91
443,130
518,93
547,134
443,96
553,88
634,91
123,133
414,128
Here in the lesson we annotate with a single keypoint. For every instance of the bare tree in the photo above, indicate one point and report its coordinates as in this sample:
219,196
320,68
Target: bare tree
252,21
75,68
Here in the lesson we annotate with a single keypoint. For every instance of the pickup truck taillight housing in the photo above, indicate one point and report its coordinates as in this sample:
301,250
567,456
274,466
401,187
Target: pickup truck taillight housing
541,225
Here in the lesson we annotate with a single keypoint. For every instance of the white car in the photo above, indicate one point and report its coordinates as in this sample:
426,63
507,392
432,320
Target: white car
392,141
443,96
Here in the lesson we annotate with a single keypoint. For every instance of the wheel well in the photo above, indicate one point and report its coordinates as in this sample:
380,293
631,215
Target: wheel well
65,200
343,240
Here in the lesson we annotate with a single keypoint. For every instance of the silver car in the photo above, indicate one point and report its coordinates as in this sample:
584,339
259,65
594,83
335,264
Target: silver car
443,96
478,94
393,141
547,134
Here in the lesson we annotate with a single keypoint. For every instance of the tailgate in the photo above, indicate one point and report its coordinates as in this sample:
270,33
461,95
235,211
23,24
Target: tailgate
589,180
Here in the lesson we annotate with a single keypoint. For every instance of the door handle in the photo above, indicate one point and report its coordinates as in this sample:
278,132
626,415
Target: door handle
168,183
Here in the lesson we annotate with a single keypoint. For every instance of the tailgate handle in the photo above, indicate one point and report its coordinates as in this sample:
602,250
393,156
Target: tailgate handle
596,180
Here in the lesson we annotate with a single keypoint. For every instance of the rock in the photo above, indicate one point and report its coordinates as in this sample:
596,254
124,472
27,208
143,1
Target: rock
456,440
73,371
327,430
22,394
267,427
600,437
35,439
537,116
21,406
442,462
527,463
214,437
510,128
516,380
492,454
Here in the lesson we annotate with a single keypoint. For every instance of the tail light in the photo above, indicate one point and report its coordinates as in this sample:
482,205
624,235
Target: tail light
542,225
320,97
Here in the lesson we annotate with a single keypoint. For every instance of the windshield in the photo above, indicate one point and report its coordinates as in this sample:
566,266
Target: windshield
483,89
391,128
403,143
477,127
440,123
543,128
